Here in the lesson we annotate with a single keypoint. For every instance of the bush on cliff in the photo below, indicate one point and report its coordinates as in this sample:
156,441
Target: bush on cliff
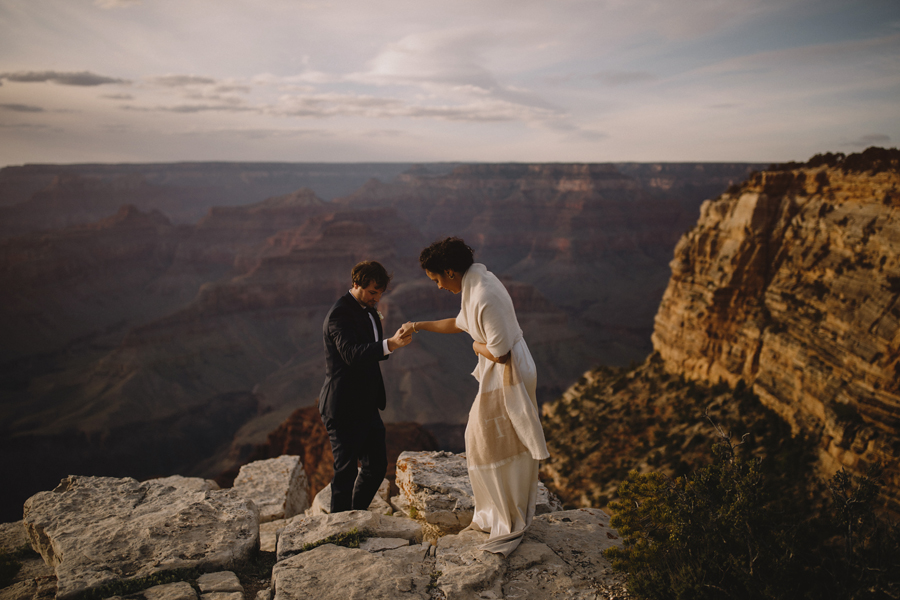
729,530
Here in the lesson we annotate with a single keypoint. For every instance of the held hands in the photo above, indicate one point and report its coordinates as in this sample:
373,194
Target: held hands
400,339
408,328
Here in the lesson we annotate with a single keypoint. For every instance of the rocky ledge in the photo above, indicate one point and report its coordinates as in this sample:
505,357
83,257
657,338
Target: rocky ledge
101,537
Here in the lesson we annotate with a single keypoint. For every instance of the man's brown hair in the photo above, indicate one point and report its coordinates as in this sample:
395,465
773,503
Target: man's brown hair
369,271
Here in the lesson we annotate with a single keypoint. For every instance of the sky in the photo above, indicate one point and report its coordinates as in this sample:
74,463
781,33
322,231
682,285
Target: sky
456,80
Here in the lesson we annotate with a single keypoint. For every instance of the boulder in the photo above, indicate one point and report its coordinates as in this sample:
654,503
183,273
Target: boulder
435,487
302,531
321,504
97,530
277,486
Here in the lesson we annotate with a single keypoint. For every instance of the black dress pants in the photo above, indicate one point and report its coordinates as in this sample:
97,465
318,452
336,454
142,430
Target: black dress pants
361,442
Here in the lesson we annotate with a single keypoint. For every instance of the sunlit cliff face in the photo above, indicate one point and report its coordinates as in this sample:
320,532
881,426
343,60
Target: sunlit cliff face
791,283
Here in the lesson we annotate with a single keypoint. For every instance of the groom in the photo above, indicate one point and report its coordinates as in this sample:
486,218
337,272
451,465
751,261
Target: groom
353,392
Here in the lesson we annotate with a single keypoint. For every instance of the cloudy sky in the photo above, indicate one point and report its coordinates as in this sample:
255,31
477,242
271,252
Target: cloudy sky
456,80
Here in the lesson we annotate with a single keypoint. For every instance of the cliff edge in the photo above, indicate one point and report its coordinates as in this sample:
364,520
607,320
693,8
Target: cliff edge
791,283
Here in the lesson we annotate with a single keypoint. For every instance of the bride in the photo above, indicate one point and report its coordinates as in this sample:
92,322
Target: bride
504,439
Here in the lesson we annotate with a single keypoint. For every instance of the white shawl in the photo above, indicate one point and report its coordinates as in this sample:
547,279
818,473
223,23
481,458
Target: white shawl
504,420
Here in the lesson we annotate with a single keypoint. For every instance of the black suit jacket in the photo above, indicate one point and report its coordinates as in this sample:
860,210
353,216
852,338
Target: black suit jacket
353,389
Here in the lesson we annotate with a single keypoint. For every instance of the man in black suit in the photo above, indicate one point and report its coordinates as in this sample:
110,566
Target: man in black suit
353,392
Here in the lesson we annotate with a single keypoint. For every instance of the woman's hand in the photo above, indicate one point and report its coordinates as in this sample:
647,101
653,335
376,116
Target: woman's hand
482,349
408,328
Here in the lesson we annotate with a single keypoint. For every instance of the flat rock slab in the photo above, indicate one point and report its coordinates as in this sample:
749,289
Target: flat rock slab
96,530
435,487
377,544
188,484
223,581
278,486
559,558
304,530
334,573
181,590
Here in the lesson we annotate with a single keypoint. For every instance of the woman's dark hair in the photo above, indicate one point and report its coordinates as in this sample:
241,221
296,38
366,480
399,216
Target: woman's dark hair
451,253
370,271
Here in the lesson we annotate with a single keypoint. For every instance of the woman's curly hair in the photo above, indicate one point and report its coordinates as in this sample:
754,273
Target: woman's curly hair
450,253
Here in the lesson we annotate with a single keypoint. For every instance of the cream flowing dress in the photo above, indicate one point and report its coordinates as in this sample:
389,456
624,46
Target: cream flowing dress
504,439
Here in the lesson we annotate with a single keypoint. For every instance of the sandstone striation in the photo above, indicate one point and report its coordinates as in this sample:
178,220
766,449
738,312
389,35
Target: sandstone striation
791,282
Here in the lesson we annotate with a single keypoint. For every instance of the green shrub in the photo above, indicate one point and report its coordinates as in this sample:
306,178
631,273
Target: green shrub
733,529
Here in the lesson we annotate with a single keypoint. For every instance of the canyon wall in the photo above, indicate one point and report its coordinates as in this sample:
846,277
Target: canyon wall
791,282
784,299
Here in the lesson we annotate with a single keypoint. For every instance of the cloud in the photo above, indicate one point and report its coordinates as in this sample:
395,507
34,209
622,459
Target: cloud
181,80
193,108
81,78
616,78
111,4
22,108
870,139
118,96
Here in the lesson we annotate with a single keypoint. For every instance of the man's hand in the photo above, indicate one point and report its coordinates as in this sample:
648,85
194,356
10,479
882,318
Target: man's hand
399,339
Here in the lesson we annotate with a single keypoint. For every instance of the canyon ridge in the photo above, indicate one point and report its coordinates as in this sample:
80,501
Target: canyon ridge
142,341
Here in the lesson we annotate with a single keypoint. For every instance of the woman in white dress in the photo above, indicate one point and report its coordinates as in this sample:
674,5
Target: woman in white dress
504,439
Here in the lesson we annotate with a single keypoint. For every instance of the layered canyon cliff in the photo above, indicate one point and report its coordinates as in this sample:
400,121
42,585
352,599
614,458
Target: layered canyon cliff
788,289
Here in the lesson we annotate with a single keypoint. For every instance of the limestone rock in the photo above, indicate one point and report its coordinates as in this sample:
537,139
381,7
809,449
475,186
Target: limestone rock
435,487
222,596
188,484
313,575
180,590
95,530
277,486
560,557
30,589
547,501
222,581
377,544
268,534
13,536
303,530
